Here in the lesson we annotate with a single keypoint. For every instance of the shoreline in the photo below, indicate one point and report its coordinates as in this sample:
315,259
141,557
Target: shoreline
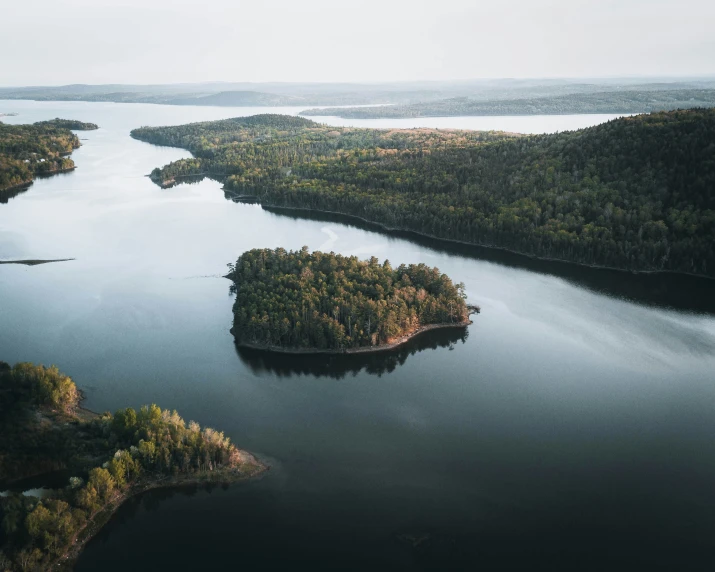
360,350
57,172
248,466
17,187
392,230
101,518
443,116
28,184
35,262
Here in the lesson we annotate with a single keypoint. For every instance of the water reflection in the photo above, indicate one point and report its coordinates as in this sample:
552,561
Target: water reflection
665,290
151,501
5,196
340,366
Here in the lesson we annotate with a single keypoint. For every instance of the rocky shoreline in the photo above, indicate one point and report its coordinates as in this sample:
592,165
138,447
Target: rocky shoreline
362,350
250,468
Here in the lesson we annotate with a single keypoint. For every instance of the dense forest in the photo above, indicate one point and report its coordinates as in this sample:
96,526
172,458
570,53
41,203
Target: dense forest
43,428
303,300
635,193
68,124
28,151
600,102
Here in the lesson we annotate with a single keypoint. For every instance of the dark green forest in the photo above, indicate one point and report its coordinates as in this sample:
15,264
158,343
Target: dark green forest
635,193
42,428
573,103
303,300
68,124
28,151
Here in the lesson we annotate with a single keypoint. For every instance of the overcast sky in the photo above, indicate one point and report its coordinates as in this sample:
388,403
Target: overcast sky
49,42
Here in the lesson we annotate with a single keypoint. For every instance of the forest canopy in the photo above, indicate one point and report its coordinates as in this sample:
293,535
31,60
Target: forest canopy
635,193
43,429
303,300
68,124
27,151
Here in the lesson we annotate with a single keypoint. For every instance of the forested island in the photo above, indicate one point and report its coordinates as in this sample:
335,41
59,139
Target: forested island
626,102
111,457
303,302
29,151
635,193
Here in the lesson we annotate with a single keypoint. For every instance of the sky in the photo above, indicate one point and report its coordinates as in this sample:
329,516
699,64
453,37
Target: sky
55,42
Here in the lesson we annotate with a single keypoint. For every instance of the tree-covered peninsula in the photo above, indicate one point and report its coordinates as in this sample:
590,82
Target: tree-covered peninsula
303,301
634,193
110,458
28,151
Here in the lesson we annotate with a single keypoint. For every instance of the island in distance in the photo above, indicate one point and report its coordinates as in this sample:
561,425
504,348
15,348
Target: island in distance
303,302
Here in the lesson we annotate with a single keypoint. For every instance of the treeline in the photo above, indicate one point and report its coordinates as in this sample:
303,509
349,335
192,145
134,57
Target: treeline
27,151
111,454
68,124
574,103
298,299
635,193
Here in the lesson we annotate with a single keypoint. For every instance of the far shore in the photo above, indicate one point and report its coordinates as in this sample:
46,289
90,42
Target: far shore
361,350
34,262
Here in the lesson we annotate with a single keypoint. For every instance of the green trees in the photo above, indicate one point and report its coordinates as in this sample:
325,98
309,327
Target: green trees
299,299
134,447
68,124
53,523
38,385
634,193
27,151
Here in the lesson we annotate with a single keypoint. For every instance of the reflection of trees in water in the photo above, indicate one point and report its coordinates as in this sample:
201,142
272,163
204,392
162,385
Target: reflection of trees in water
150,501
339,366
5,196
670,290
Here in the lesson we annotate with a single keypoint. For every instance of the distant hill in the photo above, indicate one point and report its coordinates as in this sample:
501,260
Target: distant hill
626,101
350,94
238,99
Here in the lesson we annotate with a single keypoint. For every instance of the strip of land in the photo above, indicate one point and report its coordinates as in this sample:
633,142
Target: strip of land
35,262
112,457
37,150
632,194
362,350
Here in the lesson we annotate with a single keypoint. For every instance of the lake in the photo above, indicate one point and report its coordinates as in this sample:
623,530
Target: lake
570,427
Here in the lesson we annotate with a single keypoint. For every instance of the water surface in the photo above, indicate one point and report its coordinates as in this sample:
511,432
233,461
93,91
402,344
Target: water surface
571,426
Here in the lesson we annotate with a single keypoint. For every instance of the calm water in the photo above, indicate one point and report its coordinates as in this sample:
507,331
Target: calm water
571,427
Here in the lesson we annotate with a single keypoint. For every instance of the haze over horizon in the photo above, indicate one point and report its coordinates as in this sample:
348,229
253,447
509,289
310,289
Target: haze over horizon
176,41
